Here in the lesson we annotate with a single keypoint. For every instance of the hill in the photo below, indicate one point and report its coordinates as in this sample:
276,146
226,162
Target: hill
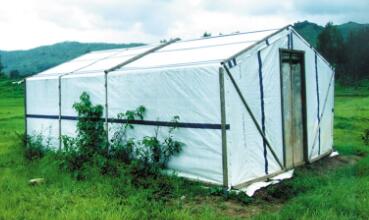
310,31
35,60
349,27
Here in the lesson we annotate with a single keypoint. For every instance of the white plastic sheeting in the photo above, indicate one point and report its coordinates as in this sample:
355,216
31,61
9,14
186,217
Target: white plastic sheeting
95,61
325,89
198,51
252,188
47,128
246,150
172,93
42,99
182,79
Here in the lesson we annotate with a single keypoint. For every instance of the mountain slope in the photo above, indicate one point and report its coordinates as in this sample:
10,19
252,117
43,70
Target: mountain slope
41,58
310,31
349,27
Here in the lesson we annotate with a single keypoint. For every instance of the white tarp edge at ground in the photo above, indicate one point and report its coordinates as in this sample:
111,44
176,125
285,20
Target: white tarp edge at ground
334,154
251,189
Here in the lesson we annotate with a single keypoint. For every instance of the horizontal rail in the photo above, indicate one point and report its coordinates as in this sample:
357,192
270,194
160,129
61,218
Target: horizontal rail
138,122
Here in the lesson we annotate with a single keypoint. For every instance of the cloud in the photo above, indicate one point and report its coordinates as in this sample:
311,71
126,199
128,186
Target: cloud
332,7
339,11
26,24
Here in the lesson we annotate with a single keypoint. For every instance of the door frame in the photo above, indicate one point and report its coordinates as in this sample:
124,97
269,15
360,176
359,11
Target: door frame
303,103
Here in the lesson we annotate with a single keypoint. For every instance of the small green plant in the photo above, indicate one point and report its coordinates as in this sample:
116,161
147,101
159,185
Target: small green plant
232,194
147,156
35,146
122,146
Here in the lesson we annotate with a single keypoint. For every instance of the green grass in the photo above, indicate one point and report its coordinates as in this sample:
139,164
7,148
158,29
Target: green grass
329,189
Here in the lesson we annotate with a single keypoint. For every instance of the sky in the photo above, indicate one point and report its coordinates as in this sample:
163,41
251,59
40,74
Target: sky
26,24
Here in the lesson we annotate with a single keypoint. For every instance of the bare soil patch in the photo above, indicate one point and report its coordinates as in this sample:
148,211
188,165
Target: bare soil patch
272,198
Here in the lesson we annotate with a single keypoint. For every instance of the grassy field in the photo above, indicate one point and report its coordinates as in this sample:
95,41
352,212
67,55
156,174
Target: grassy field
330,189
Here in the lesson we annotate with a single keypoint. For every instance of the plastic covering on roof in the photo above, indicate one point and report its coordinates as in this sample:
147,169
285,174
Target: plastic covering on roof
186,52
203,50
98,60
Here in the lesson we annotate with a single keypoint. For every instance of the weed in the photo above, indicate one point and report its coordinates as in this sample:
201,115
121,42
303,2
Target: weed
35,147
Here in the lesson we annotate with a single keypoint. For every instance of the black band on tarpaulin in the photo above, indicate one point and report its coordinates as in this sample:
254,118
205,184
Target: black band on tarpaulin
232,62
261,85
291,40
139,122
318,98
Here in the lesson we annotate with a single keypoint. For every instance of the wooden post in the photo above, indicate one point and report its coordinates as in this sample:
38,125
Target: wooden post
59,118
106,108
25,109
224,129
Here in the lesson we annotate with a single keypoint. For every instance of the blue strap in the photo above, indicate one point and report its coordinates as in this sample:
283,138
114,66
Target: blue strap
262,109
232,63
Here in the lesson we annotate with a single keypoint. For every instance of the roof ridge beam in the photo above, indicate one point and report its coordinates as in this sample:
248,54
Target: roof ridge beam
140,56
256,43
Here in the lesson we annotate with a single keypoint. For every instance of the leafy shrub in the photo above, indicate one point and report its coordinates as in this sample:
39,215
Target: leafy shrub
35,146
147,156
122,146
91,134
72,157
90,147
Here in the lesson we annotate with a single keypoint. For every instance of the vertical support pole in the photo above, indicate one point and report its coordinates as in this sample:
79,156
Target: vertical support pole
106,108
25,109
318,98
59,118
223,126
261,85
282,107
332,110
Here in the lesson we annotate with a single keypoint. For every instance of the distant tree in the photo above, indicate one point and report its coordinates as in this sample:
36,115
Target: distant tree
1,69
206,34
357,48
331,45
14,74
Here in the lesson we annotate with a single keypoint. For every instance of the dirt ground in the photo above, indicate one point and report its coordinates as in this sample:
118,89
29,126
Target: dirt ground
273,198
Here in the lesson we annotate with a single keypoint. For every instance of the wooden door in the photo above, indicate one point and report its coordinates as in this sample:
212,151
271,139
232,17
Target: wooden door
293,104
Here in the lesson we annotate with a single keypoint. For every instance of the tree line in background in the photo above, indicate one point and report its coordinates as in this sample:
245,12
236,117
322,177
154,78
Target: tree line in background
14,74
350,57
